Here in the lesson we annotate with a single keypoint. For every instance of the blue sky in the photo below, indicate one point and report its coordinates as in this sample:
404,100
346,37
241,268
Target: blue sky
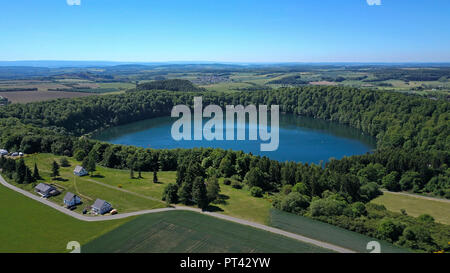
226,31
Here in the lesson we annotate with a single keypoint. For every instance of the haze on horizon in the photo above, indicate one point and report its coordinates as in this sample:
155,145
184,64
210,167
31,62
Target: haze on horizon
381,31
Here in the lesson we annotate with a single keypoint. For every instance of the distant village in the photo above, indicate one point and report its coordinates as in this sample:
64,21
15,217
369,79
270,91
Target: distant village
3,101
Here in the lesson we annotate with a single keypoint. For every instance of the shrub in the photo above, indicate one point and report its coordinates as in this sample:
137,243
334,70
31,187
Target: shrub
328,206
389,230
79,155
236,185
236,177
170,193
390,181
358,209
426,218
300,188
370,191
227,181
256,192
294,202
64,162
286,189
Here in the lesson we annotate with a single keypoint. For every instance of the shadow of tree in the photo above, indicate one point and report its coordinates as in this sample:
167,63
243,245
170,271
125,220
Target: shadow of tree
212,208
222,199
60,179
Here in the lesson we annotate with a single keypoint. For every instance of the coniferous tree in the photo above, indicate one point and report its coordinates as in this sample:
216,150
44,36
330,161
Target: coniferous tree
55,169
91,164
212,189
199,195
28,176
21,171
36,175
155,177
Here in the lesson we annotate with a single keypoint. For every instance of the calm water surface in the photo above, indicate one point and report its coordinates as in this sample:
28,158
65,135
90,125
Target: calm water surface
301,139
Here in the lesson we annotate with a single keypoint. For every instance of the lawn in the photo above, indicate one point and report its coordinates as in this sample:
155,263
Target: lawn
415,206
233,202
29,226
90,191
326,232
191,232
239,203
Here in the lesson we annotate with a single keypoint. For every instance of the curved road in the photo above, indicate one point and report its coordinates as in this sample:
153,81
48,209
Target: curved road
213,214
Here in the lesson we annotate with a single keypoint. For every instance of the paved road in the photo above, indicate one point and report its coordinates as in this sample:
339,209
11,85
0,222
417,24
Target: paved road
419,196
213,214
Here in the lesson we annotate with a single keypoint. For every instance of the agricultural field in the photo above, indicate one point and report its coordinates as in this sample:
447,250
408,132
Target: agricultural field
433,82
415,206
191,232
23,91
32,96
29,226
326,232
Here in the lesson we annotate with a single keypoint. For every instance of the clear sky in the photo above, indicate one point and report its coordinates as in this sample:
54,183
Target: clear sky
226,31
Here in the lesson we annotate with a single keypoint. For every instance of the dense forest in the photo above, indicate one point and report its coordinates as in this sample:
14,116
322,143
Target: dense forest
413,137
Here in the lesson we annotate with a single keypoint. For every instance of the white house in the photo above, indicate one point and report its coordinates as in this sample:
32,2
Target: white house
80,171
101,207
71,199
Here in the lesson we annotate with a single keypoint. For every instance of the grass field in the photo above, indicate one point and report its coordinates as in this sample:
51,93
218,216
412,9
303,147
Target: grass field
326,232
89,190
189,232
415,206
29,226
234,202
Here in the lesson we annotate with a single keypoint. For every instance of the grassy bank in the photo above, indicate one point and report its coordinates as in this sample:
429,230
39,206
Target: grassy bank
415,206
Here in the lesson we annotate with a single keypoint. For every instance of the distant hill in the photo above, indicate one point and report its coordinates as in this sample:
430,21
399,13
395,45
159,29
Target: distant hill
169,85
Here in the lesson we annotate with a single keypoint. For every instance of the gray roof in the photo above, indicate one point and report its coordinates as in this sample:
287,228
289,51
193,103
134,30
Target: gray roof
98,204
44,187
78,169
69,196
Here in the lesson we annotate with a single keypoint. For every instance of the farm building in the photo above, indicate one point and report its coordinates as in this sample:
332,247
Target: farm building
80,171
101,207
46,190
71,199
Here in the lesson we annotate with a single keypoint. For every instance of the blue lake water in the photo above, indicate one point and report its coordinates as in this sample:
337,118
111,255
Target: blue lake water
300,139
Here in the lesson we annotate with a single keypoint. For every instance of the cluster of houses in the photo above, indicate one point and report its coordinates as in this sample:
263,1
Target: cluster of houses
72,200
4,152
